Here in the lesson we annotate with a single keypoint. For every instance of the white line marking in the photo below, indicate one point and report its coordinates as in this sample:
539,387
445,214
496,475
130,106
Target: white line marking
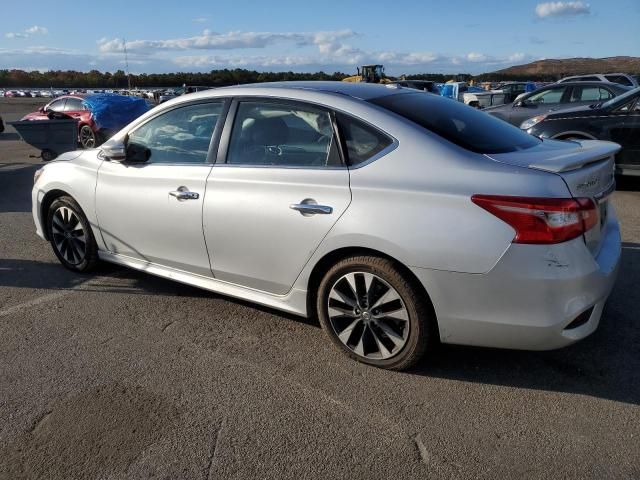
631,248
34,302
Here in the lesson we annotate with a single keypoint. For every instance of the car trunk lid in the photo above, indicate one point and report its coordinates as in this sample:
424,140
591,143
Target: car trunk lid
586,166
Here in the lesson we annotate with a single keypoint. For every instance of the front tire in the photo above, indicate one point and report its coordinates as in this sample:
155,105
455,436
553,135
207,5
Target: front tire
70,235
374,313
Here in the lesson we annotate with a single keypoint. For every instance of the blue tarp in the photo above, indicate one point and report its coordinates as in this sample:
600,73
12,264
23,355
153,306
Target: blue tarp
113,111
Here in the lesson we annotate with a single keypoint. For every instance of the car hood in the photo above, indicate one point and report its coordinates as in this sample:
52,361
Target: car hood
68,156
582,111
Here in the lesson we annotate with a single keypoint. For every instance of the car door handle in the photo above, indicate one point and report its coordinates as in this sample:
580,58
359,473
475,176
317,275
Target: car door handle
311,208
184,194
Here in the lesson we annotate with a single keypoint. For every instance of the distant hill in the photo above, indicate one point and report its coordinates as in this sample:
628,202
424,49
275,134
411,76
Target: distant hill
571,66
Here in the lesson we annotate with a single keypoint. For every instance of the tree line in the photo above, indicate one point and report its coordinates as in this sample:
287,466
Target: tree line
214,78
118,79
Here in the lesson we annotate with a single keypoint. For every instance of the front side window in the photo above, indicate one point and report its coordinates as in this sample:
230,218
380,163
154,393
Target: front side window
458,123
551,96
73,105
287,135
56,106
181,135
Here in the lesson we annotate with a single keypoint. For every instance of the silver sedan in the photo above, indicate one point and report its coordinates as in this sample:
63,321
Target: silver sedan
396,217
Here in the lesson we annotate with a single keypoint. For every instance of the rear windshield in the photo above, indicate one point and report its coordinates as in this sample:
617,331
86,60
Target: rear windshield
465,126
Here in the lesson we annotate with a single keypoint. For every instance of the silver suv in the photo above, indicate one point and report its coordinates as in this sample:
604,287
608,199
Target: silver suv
621,78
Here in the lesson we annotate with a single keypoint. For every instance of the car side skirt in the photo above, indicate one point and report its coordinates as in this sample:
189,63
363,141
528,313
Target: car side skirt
294,302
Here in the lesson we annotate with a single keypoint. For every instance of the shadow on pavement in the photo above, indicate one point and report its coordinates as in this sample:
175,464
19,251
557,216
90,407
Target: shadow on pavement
13,179
605,365
9,136
628,183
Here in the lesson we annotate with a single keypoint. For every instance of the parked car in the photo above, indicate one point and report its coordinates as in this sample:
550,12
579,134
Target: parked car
11,93
616,120
512,90
473,96
621,78
70,105
398,218
554,97
94,127
424,85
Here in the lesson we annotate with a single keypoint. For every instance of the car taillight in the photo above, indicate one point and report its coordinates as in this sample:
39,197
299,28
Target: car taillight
542,220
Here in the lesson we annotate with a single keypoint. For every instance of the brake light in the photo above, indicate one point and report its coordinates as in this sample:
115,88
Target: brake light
542,220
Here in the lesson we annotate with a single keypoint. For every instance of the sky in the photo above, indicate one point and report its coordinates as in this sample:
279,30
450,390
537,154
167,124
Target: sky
307,36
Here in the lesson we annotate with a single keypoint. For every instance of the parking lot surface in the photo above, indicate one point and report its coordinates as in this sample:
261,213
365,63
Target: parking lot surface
119,374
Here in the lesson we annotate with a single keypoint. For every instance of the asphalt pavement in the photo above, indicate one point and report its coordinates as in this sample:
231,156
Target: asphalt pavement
119,374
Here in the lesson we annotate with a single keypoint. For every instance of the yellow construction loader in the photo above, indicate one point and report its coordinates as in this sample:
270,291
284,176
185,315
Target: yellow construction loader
368,74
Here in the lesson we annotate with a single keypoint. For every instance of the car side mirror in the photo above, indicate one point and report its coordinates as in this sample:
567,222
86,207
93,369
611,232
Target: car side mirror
135,153
114,151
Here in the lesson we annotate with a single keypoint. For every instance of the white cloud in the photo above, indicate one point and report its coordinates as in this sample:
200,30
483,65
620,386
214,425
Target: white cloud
225,41
201,19
15,35
37,30
558,9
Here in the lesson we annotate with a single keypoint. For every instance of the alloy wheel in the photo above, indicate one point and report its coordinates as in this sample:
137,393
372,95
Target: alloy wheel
69,235
368,316
87,137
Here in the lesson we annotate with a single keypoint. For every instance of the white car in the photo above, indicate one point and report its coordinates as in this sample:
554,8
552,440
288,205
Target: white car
398,218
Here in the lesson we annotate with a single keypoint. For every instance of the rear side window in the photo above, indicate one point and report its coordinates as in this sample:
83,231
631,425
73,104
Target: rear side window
362,141
589,94
73,105
458,123
621,79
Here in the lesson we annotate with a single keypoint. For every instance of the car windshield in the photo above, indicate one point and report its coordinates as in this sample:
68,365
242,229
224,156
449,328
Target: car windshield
460,124
620,100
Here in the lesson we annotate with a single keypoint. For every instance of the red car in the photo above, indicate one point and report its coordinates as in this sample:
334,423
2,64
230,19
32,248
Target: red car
71,105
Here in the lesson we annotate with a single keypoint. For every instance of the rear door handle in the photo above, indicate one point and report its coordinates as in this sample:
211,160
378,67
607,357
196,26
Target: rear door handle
184,194
311,208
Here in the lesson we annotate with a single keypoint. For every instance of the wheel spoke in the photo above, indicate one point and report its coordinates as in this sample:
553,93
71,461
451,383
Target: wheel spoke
345,335
390,334
384,351
57,223
389,296
337,294
341,308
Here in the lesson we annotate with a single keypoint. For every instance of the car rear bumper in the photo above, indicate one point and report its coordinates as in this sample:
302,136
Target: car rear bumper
537,297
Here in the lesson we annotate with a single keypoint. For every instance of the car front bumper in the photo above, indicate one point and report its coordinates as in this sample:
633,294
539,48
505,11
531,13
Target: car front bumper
530,297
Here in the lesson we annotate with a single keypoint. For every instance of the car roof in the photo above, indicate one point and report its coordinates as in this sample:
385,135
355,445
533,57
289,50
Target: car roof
362,91
590,83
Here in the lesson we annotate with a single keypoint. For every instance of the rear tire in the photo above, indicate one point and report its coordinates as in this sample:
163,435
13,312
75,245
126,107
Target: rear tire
374,313
70,235
87,137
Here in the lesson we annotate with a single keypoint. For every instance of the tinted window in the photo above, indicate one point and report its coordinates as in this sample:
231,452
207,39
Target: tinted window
73,105
362,141
282,135
619,79
551,96
463,125
181,135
